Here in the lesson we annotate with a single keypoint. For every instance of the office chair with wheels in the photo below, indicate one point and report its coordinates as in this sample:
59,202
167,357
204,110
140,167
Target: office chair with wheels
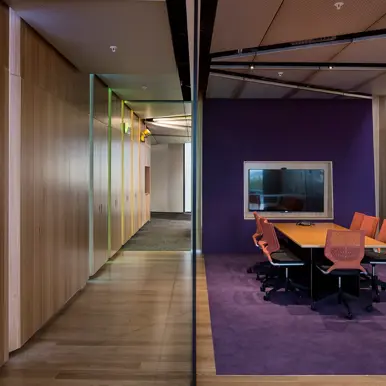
369,225
374,258
279,258
345,250
356,221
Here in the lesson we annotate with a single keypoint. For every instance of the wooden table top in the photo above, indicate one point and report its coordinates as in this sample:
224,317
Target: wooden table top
315,236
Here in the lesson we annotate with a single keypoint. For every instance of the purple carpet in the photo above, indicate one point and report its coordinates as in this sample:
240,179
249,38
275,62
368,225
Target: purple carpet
254,337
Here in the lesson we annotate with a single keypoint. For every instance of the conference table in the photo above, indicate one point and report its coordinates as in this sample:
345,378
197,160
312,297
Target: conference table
312,239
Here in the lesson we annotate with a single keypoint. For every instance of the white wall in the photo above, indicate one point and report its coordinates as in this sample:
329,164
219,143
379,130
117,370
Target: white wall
167,178
188,177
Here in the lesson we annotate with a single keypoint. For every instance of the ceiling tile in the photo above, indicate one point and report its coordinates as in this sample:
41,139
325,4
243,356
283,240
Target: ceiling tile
222,87
304,94
364,51
253,15
155,109
257,90
288,75
342,79
376,86
305,19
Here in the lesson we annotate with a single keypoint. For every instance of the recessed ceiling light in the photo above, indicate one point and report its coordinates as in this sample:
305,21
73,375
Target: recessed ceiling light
113,48
144,87
330,67
280,73
251,67
339,5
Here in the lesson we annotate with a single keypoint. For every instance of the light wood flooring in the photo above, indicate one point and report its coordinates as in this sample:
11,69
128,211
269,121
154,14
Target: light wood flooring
131,325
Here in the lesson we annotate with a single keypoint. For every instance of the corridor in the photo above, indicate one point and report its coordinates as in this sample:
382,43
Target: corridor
131,325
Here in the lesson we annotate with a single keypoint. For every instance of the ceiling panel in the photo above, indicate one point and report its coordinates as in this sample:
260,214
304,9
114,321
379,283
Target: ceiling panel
342,79
222,87
376,86
157,109
144,87
83,32
364,51
169,139
258,90
242,23
287,75
304,94
305,19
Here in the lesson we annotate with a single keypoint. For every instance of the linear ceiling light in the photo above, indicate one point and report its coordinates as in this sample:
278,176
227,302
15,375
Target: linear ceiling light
169,126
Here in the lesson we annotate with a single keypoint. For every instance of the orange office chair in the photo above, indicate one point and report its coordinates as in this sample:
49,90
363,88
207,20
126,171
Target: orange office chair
369,225
375,258
279,258
356,221
345,250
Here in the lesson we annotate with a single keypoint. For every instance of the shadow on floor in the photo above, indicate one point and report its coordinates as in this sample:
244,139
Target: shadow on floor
164,232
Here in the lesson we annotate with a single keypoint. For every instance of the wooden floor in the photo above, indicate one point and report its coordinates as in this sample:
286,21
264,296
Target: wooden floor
131,325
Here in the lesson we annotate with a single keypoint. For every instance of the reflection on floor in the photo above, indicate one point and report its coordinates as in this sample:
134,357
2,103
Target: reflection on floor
242,291
165,232
131,325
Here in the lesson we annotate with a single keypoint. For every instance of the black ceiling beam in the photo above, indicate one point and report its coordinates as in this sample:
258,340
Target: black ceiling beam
179,30
299,65
207,19
301,44
281,83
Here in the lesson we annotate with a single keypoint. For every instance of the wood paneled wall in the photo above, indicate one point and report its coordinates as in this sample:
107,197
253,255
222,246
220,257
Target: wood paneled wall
120,203
54,182
100,219
4,103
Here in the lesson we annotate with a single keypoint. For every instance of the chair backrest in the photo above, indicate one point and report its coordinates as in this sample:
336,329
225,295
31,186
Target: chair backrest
345,249
356,221
259,231
369,225
262,239
382,233
270,237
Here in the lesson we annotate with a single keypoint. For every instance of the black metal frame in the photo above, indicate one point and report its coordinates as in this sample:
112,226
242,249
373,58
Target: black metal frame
299,65
301,44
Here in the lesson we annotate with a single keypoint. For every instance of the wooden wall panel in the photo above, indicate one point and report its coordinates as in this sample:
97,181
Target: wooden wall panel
54,182
4,104
100,123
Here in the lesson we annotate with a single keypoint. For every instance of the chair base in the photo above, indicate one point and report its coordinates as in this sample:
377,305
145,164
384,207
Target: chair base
342,298
288,285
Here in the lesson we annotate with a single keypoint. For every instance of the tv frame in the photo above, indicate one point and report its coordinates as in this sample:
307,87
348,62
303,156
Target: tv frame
326,166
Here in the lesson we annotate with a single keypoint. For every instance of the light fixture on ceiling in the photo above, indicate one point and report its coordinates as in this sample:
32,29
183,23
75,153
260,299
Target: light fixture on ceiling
280,73
251,67
113,48
330,67
339,5
144,87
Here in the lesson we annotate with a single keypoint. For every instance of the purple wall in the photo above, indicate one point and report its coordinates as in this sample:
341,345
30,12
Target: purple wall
235,131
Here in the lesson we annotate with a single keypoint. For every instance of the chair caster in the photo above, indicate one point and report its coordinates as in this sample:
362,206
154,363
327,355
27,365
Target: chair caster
266,297
377,298
313,306
369,308
349,316
262,288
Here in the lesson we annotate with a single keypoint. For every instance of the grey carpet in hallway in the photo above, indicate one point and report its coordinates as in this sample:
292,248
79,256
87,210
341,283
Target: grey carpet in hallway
165,232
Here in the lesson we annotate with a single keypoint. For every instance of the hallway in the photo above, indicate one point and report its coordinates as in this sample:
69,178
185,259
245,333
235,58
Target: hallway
165,232
131,325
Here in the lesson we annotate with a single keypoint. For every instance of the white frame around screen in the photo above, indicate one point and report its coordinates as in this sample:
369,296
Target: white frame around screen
328,213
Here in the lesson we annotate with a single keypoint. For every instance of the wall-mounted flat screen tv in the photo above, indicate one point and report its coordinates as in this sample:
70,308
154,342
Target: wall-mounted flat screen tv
286,190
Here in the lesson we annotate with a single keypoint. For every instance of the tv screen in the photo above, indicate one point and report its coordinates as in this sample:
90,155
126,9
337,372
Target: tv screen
286,190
